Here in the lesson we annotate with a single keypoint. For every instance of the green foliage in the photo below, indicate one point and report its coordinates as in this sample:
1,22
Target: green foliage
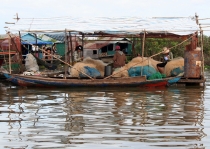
206,50
153,46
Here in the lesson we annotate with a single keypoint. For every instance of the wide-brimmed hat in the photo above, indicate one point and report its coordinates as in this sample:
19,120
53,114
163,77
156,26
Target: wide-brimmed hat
117,48
79,47
165,50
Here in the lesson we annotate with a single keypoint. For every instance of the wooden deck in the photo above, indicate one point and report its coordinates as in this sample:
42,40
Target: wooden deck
192,81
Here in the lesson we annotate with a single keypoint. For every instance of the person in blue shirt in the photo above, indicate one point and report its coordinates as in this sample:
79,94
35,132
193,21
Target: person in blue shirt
167,56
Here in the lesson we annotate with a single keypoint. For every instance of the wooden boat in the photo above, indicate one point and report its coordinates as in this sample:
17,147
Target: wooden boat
136,29
41,81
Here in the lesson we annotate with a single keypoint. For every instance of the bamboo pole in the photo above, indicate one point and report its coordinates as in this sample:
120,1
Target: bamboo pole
72,53
142,54
202,54
82,45
143,43
201,45
66,47
133,45
9,42
20,54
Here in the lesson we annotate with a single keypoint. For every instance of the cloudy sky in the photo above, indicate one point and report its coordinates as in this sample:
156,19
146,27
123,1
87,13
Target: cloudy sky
98,8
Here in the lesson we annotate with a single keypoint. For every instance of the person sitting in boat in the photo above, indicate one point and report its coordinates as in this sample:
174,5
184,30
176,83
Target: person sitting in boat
48,53
167,56
78,54
119,58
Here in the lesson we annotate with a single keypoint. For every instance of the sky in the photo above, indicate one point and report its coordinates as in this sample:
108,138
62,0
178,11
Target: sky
103,8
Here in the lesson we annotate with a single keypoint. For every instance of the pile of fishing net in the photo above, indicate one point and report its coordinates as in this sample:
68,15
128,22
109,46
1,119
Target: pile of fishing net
139,66
89,66
174,67
148,67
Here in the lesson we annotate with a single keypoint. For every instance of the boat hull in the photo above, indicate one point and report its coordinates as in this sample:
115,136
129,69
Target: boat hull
39,81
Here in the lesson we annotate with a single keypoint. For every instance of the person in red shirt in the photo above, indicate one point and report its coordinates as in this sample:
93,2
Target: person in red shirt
119,58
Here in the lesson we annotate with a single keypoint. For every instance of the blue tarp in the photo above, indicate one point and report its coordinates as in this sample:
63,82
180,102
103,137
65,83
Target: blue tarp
177,71
93,72
30,39
141,70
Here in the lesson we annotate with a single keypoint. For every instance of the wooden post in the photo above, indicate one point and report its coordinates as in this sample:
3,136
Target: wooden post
21,56
36,50
82,44
72,53
9,42
201,33
143,43
133,47
66,47
142,55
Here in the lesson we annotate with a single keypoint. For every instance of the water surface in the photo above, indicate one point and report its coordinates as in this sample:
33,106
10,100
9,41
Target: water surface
131,118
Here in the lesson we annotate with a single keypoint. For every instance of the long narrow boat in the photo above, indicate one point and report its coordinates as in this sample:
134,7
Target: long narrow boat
41,81
136,29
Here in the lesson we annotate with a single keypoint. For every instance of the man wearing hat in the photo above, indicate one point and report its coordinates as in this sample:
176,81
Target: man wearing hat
119,58
167,56
77,54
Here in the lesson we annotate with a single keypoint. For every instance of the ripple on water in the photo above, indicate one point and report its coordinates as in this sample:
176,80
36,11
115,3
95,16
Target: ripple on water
105,118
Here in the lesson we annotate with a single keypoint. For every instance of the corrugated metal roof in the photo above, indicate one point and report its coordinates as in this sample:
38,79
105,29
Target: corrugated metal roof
123,25
30,39
61,37
58,36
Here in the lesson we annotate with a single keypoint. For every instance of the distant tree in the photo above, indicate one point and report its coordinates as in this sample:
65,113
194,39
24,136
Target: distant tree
154,46
206,50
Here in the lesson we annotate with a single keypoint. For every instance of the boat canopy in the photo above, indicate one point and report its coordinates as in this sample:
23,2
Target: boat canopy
108,25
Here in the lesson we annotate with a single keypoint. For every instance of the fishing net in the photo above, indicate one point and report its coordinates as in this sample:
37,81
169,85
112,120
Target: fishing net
156,75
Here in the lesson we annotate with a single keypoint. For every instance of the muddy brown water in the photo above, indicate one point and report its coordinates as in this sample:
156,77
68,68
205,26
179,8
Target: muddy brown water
105,118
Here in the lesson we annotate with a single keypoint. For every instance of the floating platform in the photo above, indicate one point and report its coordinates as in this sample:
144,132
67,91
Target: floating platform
192,81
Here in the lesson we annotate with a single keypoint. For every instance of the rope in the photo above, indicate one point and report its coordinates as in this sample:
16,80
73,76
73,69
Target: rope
151,56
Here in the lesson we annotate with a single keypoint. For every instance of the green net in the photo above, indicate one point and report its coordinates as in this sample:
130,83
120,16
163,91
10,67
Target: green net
156,75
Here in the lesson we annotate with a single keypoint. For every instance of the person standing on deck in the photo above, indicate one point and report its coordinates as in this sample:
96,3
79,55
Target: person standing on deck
119,58
167,56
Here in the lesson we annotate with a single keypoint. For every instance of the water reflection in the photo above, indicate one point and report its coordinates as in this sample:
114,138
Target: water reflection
102,118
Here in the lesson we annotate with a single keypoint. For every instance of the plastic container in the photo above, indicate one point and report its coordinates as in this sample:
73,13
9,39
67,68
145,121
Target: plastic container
107,71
